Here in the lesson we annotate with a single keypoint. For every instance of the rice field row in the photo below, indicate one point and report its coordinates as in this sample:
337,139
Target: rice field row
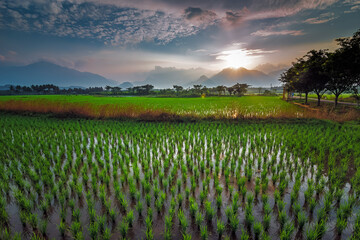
140,107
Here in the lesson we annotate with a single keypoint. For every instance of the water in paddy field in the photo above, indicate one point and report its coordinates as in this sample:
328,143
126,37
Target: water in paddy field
106,169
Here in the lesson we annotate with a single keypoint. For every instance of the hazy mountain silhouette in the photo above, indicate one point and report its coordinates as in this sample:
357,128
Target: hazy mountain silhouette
231,76
166,77
49,73
125,85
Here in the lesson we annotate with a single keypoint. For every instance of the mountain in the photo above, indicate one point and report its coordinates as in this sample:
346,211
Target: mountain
49,73
231,76
166,77
126,85
5,88
203,80
277,73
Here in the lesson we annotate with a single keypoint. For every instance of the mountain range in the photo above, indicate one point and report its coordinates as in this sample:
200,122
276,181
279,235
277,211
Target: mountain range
231,76
49,73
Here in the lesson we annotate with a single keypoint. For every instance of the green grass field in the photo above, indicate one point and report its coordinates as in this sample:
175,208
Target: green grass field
218,107
345,97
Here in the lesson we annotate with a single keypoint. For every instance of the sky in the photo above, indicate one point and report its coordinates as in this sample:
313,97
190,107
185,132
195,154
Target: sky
125,40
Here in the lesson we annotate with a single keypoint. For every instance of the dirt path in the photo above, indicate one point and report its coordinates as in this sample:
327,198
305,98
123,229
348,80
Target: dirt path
324,100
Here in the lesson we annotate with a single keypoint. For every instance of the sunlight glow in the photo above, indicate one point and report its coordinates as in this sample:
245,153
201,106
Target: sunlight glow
238,58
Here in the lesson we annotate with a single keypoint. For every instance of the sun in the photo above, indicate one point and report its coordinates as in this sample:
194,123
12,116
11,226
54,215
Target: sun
236,58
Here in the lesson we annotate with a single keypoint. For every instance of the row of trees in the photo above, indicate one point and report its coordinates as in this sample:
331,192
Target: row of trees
320,70
238,89
52,89
197,90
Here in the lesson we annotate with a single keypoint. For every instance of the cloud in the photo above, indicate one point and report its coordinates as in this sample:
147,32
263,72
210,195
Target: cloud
268,67
353,9
266,33
107,23
233,17
322,18
192,13
2,58
284,8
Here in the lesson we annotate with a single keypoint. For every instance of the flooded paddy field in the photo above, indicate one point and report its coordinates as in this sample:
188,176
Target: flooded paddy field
95,179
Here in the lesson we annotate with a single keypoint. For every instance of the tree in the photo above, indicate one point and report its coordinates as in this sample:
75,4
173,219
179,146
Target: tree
221,89
131,90
340,80
18,88
313,72
301,80
137,89
147,88
116,89
230,90
295,78
240,88
197,88
350,48
178,88
108,88
204,90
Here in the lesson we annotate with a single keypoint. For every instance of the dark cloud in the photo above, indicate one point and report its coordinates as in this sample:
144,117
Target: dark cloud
194,13
191,12
233,17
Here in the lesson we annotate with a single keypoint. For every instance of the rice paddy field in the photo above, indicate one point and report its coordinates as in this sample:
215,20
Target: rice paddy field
104,179
154,108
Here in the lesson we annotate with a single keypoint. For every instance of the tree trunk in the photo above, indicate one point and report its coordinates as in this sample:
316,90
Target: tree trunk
306,98
319,97
336,99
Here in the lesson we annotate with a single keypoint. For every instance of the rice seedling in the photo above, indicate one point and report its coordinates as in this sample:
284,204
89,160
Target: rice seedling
209,211
234,223
249,217
62,228
199,219
287,231
244,235
182,221
186,236
139,207
302,219
220,227
75,228
266,222
282,219
257,229
43,227
149,234
204,233
94,230
107,234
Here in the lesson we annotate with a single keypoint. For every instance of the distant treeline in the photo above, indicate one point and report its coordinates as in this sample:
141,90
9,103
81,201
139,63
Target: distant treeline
52,89
320,71
239,89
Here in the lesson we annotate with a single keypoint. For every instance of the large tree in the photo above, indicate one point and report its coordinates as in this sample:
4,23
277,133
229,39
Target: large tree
340,79
350,49
313,73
